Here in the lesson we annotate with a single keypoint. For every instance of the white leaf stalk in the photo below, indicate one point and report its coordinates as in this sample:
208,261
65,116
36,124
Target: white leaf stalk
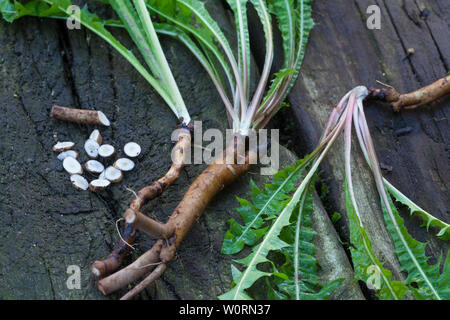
367,146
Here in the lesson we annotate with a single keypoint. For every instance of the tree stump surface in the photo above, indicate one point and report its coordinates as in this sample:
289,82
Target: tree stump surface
46,225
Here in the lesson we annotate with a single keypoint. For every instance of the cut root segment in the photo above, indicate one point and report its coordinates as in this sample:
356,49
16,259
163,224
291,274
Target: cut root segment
132,149
98,185
79,182
113,261
72,166
210,182
151,227
413,99
124,164
82,116
180,151
96,136
68,153
94,167
114,175
91,147
106,151
63,146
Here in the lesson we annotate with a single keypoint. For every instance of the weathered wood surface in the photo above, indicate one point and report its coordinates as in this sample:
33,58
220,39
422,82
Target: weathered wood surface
46,225
343,53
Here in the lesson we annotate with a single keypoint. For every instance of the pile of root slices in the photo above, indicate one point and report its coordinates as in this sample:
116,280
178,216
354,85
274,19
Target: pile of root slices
96,151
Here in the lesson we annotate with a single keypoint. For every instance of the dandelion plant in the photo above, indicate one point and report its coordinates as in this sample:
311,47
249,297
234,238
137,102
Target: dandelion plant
248,111
271,213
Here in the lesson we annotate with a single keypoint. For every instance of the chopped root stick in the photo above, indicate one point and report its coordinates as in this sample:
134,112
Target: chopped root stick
72,166
414,99
132,149
69,153
98,185
63,146
124,164
96,136
81,116
94,167
114,175
112,263
106,151
91,147
79,182
210,182
151,227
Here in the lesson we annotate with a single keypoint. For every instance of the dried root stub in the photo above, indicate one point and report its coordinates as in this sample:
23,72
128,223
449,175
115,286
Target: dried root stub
413,99
106,151
180,151
63,146
92,148
79,182
72,166
81,116
210,182
98,185
68,153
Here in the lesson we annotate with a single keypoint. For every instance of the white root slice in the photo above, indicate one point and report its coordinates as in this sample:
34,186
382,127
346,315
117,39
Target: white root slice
102,175
132,149
94,167
91,147
103,119
124,164
63,146
79,182
113,174
68,153
99,185
96,136
72,166
106,151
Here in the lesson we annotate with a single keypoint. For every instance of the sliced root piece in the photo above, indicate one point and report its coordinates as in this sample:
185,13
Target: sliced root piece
63,146
210,182
81,116
72,166
106,151
124,164
98,185
91,147
132,149
94,167
180,151
96,136
102,175
413,99
114,175
68,153
79,182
